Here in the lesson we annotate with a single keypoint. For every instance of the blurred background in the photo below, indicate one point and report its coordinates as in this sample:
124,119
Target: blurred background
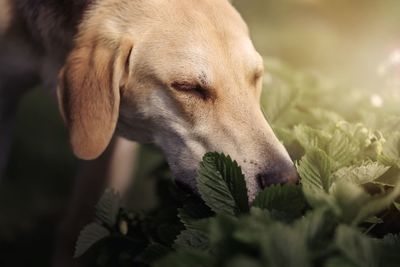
349,41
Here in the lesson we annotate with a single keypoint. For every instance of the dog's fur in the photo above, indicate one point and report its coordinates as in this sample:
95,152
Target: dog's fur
182,74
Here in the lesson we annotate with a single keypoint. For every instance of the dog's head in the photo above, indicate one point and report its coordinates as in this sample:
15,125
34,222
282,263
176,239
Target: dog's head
180,73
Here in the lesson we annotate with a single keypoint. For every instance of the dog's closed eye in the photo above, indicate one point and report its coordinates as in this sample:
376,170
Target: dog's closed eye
191,88
258,74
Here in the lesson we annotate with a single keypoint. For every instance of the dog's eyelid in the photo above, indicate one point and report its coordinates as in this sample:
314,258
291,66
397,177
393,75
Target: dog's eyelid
258,74
191,87
184,86
259,71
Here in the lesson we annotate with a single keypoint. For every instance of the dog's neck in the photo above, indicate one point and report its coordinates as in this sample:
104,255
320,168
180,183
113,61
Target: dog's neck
52,23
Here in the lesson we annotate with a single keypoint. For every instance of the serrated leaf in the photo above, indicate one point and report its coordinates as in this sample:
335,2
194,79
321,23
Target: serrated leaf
284,198
349,198
389,178
220,228
391,151
248,229
88,237
358,248
280,244
342,149
283,246
108,206
377,203
222,185
366,173
285,135
365,251
232,174
315,172
310,138
277,100
193,223
192,239
317,227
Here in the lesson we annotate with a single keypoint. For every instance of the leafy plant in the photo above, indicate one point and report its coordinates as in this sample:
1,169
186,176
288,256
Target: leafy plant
344,212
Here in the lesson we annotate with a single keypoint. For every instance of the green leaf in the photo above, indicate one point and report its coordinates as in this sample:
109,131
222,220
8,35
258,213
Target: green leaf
310,138
278,99
342,149
358,248
222,185
285,198
389,178
192,239
391,151
377,203
365,251
285,135
349,199
317,227
283,246
248,229
88,237
108,206
193,223
221,227
315,172
360,175
154,252
185,258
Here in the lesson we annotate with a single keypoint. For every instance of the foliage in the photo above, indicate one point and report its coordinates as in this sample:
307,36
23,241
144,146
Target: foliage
341,213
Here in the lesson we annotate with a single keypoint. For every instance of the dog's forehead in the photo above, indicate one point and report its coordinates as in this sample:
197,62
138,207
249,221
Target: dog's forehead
206,58
216,15
205,39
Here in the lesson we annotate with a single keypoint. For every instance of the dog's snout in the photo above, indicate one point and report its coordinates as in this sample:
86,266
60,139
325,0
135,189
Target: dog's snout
282,174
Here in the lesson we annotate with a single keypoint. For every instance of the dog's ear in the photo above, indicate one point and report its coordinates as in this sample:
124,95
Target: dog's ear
89,95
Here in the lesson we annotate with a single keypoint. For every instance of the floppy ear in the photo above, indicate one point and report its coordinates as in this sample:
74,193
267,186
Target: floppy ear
89,95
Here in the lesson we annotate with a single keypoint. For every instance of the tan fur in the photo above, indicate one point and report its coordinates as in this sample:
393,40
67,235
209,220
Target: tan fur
198,43
89,94
6,15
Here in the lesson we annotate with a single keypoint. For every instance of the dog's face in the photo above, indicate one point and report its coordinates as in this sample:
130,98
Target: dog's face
183,74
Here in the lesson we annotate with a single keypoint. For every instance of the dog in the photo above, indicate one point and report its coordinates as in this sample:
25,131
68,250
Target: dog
181,74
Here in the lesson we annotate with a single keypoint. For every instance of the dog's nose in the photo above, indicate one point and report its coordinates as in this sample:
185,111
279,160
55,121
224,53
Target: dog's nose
281,174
